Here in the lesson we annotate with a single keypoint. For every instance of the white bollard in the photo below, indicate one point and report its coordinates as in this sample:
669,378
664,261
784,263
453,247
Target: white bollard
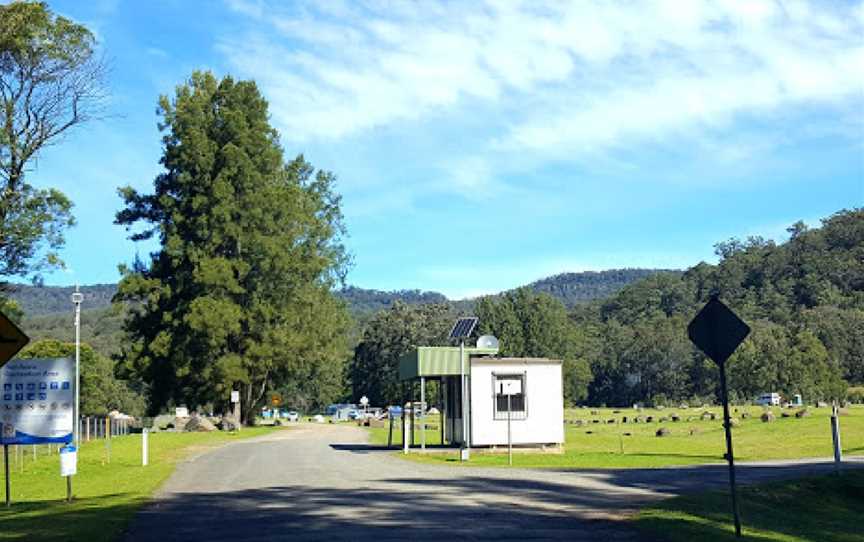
835,437
144,447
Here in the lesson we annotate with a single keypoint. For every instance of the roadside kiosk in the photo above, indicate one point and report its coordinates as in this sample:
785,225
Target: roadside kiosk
536,413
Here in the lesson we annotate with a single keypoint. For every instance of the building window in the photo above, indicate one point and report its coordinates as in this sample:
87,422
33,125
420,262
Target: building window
518,402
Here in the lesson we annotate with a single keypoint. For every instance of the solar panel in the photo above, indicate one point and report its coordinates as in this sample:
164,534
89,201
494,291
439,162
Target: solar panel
463,327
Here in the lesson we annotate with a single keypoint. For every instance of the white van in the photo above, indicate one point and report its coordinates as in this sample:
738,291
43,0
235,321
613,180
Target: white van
769,399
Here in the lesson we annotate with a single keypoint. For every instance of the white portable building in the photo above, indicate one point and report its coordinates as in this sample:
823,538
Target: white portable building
536,414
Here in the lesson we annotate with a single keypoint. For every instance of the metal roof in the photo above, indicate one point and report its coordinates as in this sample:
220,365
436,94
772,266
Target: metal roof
437,361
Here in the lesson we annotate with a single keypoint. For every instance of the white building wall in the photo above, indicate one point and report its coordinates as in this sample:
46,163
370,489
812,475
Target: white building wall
544,423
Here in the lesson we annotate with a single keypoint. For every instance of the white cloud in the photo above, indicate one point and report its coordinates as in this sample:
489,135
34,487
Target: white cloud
554,81
604,70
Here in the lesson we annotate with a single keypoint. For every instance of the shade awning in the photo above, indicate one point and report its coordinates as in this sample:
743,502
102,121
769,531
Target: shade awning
437,361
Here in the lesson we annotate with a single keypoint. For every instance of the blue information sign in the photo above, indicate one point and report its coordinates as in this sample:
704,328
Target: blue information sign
37,401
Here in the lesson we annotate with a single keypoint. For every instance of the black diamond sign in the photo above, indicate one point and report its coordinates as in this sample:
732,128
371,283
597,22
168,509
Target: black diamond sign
12,339
717,331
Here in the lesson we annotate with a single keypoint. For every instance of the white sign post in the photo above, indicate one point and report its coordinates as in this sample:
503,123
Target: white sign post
509,388
144,447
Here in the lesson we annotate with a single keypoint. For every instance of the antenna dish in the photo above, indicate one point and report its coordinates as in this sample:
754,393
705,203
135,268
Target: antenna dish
487,341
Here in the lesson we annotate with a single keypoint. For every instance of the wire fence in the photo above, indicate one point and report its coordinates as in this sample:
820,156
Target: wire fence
100,427
92,428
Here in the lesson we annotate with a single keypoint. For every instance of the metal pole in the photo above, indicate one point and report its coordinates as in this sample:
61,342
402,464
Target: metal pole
405,429
68,489
441,389
835,436
77,298
466,445
144,447
423,413
729,456
6,469
509,437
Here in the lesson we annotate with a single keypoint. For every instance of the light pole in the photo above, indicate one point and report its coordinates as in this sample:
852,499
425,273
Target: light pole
77,298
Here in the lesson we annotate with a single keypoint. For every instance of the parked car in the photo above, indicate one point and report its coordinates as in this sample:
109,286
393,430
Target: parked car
768,399
292,416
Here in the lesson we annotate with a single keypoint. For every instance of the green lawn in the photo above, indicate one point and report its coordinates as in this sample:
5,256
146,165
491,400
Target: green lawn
599,444
106,494
824,509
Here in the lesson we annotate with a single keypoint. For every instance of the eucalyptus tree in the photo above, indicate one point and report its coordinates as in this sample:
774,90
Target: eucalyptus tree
51,81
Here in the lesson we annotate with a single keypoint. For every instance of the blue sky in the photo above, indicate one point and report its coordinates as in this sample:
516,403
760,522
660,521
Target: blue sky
480,146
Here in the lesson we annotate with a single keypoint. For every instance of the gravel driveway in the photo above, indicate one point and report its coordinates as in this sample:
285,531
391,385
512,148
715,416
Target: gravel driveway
322,482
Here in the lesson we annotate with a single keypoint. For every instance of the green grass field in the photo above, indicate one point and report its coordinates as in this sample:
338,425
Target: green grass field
599,444
824,509
106,494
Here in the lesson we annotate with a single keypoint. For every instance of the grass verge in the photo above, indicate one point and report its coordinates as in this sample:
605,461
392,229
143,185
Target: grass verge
823,509
109,488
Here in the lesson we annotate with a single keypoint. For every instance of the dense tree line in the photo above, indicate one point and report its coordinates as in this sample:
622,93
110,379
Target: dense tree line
803,299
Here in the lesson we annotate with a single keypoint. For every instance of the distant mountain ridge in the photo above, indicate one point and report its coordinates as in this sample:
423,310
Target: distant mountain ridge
575,288
570,288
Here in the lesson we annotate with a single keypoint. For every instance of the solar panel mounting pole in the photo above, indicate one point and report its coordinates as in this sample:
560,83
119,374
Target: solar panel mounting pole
462,330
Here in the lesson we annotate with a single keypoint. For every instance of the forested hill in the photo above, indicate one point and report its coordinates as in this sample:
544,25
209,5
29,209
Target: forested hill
40,300
574,288
361,300
570,288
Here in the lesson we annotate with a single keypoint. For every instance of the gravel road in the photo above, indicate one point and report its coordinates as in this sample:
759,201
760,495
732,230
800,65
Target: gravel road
322,482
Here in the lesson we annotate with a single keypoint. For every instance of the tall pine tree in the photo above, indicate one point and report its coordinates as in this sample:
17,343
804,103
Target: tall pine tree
239,294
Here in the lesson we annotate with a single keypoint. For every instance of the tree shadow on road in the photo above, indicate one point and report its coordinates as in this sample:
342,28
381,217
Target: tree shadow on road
90,518
370,448
472,508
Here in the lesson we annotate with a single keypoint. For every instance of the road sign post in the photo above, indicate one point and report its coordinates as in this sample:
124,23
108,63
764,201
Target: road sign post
235,400
718,331
6,472
509,388
509,433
